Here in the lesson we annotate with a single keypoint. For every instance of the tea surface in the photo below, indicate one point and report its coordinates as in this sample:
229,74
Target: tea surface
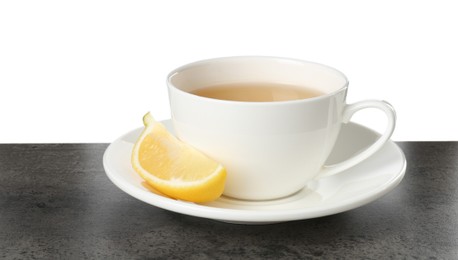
257,92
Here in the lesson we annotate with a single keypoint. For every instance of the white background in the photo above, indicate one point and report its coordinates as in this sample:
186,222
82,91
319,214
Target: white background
87,71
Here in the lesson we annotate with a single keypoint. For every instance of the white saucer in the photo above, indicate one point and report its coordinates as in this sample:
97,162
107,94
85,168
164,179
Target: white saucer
353,188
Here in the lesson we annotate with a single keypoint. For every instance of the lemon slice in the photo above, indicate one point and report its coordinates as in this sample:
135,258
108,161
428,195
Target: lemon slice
175,168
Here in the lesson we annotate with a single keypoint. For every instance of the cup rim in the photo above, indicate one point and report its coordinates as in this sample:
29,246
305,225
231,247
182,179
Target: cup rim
171,86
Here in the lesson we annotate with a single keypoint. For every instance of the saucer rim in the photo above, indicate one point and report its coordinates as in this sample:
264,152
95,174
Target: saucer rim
245,216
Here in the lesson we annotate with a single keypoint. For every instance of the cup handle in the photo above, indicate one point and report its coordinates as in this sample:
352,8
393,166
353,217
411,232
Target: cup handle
348,112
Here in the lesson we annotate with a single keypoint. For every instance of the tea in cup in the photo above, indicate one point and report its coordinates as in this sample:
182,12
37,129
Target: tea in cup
271,122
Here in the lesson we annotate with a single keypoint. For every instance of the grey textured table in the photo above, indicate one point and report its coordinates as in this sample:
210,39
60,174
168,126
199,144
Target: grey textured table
57,203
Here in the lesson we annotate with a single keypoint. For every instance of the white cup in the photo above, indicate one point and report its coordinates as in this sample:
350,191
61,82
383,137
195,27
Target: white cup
269,149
